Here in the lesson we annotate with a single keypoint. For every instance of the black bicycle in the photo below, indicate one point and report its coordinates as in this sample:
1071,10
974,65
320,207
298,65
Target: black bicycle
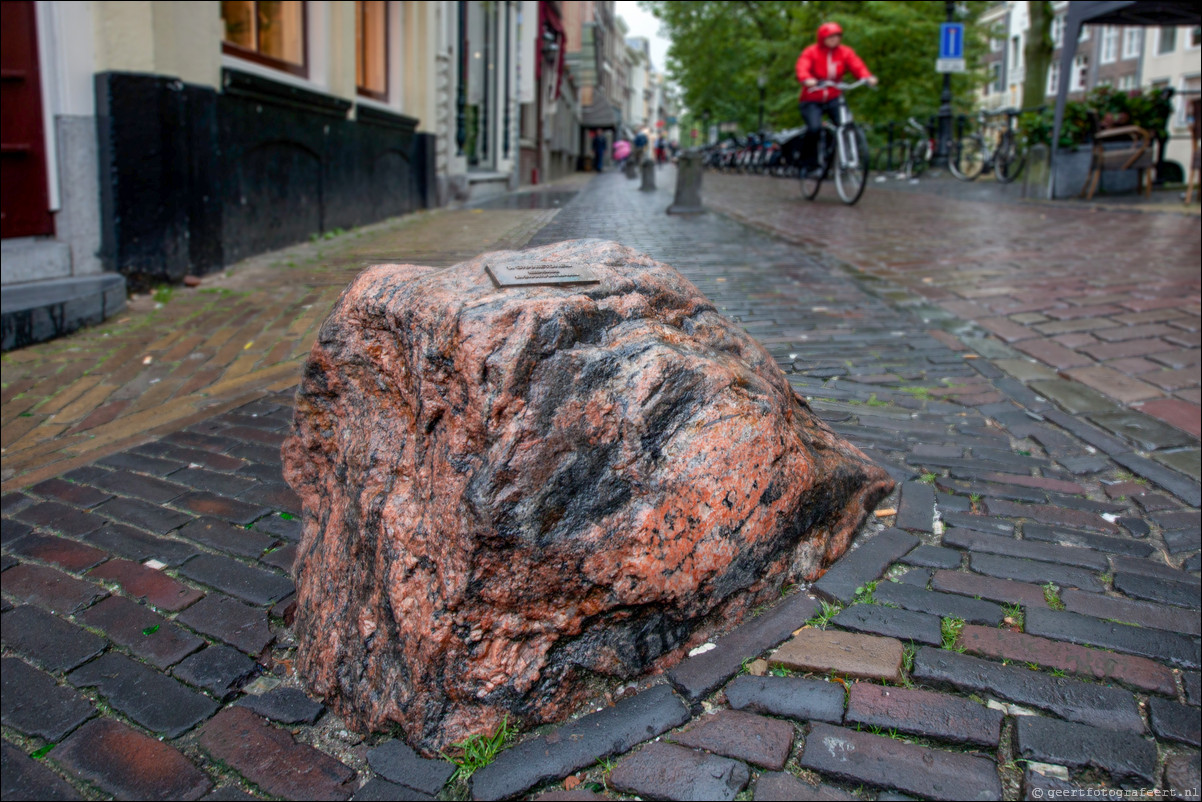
971,155
843,149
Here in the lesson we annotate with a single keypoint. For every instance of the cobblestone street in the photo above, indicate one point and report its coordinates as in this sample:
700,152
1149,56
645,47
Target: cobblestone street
1020,618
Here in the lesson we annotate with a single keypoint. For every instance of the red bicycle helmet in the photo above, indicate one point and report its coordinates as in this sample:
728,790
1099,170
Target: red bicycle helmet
829,29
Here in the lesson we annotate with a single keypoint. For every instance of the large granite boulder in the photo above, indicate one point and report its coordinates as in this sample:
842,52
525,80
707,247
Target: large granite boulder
508,491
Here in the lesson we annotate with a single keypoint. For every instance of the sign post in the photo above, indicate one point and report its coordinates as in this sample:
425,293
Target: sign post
951,59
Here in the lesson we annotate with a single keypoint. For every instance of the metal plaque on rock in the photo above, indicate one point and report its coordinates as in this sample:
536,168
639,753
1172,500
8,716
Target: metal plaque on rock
541,273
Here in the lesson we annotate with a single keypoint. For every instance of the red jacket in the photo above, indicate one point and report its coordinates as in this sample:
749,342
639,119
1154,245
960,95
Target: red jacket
824,64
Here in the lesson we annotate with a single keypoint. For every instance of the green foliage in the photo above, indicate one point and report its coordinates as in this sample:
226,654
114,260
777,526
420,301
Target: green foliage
928,478
864,594
150,630
477,751
1103,107
40,753
162,294
1051,595
950,628
720,49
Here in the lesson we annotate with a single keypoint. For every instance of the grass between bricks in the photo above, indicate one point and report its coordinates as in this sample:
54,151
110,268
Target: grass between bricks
1051,595
477,751
950,628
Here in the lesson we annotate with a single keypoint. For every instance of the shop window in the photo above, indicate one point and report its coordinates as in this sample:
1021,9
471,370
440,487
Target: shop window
270,33
371,49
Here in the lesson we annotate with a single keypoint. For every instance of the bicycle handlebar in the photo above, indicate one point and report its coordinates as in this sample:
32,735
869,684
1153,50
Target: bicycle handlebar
840,86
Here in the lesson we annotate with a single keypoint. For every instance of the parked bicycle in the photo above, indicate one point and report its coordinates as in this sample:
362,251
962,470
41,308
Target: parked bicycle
920,150
972,155
842,148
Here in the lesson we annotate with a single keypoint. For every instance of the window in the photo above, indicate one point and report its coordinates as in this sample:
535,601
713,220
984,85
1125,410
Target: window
1195,37
1016,53
996,85
1131,42
1189,89
269,33
1080,74
1053,77
1168,40
1127,83
1057,31
371,49
1110,44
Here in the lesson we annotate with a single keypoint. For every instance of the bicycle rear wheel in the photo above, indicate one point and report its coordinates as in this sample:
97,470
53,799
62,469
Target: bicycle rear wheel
811,180
851,168
1009,162
918,159
967,158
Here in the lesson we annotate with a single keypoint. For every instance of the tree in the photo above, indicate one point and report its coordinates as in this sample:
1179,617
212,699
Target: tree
719,50
1037,53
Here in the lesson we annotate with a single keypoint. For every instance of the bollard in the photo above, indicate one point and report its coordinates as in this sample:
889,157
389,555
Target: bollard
1037,180
688,184
648,167
631,169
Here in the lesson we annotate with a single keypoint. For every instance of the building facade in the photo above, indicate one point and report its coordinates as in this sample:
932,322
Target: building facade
146,141
1125,57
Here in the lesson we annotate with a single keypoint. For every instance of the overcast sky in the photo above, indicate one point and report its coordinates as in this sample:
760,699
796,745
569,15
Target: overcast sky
641,23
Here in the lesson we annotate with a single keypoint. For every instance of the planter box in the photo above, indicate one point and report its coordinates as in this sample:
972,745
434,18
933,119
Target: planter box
1071,171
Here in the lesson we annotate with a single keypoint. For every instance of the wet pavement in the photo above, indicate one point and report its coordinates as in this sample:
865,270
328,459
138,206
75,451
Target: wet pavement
1021,617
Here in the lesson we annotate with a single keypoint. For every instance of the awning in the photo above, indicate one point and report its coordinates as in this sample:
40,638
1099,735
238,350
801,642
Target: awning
600,113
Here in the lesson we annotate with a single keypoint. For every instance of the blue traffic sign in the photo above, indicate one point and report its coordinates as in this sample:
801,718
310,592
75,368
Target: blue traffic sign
951,40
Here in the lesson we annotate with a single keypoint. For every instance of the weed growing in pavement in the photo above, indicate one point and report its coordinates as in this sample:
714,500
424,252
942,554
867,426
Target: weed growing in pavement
477,751
1107,578
928,478
950,628
38,754
1051,595
873,401
908,653
826,612
1014,615
162,294
781,671
921,393
864,593
1059,672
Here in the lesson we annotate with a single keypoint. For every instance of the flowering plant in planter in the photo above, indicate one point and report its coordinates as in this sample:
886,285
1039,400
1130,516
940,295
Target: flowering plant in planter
1104,107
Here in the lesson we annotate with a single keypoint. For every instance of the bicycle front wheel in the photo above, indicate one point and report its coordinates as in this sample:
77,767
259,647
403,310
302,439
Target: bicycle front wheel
967,158
851,171
1009,162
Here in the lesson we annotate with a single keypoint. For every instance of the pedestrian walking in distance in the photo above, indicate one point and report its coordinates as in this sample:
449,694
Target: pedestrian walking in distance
599,147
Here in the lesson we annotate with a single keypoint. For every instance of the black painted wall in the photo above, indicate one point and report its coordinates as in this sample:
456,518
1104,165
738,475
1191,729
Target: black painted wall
193,179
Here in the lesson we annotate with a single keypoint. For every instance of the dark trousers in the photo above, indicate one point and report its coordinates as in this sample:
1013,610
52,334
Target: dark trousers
811,114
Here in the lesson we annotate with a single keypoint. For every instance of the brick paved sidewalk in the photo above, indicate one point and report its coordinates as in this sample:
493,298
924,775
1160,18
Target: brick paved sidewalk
186,354
1025,620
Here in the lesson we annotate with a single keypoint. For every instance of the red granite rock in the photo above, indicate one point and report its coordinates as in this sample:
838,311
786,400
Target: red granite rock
507,489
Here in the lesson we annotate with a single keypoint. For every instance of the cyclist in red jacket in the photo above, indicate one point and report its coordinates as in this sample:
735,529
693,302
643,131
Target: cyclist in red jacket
825,60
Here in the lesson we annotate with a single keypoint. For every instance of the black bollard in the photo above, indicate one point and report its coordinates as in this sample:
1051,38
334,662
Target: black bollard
632,169
648,167
688,184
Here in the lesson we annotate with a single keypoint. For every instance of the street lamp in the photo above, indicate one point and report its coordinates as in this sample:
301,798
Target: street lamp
761,82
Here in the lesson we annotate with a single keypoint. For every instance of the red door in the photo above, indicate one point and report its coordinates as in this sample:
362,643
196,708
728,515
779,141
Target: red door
24,202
